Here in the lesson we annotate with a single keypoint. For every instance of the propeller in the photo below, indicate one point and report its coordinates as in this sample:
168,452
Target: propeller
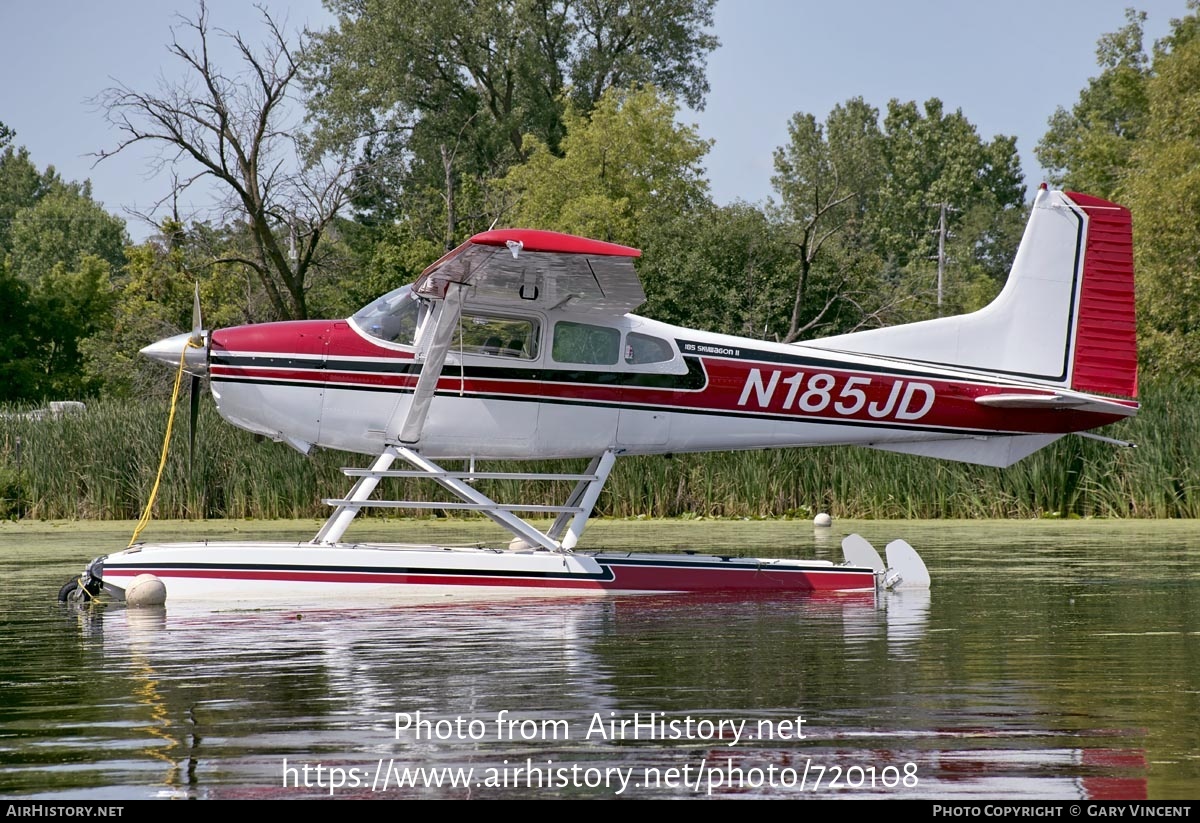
197,340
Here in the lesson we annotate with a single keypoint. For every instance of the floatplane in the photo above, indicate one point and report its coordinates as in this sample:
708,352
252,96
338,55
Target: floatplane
522,345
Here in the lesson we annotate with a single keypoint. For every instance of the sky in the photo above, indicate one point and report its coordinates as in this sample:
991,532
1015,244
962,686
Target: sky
1007,66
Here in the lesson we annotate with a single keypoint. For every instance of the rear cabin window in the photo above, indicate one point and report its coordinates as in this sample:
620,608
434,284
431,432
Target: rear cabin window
495,336
642,348
586,344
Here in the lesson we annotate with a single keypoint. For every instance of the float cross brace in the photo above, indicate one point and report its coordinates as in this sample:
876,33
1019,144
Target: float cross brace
563,535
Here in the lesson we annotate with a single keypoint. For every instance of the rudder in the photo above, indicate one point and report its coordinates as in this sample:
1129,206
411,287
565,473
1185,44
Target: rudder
1105,358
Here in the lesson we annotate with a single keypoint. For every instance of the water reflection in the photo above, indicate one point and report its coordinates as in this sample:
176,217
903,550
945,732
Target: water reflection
1077,681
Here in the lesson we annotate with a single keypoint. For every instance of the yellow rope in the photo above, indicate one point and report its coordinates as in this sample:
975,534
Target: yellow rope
162,462
83,588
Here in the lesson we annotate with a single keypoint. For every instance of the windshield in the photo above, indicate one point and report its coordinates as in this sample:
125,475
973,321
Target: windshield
395,317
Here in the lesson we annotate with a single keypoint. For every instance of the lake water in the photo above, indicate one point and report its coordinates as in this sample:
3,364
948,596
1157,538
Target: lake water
1048,661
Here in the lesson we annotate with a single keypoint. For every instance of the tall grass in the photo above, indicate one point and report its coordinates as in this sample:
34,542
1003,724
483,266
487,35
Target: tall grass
101,465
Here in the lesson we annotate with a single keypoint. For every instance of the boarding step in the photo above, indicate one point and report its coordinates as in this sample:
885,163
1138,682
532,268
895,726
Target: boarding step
434,504
466,475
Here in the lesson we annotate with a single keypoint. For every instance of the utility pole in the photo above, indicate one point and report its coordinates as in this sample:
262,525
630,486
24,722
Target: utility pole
941,253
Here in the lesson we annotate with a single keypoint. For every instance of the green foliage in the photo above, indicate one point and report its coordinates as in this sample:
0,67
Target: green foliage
862,200
1163,192
152,300
1088,148
726,269
1133,137
378,260
69,305
445,92
60,229
620,170
932,158
21,187
19,361
60,250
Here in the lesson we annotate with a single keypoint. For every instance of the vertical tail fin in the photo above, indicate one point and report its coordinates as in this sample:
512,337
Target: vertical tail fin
1065,317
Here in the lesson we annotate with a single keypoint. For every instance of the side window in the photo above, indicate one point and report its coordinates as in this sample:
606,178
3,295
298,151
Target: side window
584,343
642,348
496,336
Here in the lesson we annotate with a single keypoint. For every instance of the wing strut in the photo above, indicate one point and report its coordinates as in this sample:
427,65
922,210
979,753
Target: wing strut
431,370
361,492
585,495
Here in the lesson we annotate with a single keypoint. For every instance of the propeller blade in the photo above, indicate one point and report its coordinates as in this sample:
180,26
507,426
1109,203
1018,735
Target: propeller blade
197,321
192,417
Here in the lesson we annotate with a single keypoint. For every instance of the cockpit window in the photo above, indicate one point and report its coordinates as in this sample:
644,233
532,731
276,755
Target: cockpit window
395,317
495,336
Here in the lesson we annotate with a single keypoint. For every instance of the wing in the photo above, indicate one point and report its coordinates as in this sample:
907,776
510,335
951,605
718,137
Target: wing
551,270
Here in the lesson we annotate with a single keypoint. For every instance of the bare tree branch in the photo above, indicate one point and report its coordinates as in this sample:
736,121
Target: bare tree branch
232,127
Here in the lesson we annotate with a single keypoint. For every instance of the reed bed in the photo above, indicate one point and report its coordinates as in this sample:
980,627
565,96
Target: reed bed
101,465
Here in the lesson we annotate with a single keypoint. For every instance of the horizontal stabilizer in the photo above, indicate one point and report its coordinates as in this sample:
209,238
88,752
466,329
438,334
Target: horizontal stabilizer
1056,401
985,451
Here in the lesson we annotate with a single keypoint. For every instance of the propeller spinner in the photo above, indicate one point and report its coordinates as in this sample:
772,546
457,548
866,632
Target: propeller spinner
192,347
170,349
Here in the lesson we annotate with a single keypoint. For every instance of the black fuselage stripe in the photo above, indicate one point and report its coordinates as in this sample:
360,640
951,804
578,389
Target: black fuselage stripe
693,380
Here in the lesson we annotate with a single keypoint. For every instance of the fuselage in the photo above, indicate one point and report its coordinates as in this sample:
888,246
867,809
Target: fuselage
551,383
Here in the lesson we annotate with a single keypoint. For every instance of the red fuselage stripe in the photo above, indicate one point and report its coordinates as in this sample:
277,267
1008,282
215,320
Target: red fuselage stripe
743,387
626,578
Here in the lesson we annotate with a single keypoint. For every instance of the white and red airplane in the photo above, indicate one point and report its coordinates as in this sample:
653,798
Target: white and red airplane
521,344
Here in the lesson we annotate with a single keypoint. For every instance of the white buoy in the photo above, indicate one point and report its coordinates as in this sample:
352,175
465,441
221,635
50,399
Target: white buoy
822,519
145,590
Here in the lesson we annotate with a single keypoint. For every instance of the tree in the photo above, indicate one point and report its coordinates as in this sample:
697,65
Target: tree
21,186
151,300
620,170
59,251
1162,190
62,227
935,157
232,129
441,94
69,305
1088,148
725,269
18,350
863,200
825,177
1133,137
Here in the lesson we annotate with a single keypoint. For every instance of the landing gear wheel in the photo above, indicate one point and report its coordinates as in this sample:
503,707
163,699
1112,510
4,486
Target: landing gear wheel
69,591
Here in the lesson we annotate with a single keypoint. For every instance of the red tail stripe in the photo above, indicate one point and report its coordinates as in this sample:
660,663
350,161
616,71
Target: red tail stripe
1106,335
